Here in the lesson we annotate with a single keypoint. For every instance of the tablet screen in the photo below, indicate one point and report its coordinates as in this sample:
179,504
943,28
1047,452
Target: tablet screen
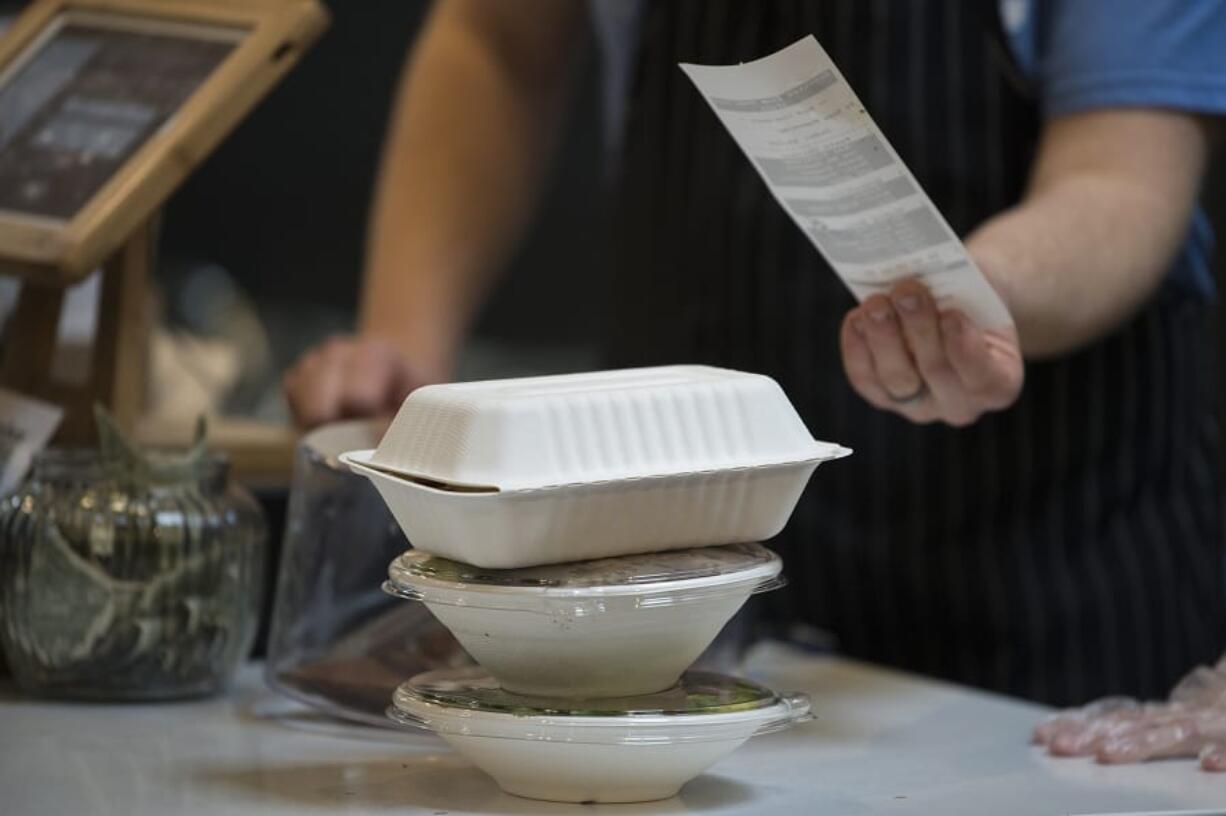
86,97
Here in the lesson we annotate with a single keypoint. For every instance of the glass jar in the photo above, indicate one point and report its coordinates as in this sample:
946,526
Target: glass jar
123,587
337,641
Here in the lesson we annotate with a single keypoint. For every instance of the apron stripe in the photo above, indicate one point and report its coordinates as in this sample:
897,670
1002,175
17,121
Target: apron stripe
1154,503
955,129
1098,569
1127,547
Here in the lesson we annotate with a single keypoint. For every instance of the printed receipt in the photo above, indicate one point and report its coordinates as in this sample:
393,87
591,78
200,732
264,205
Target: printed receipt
831,168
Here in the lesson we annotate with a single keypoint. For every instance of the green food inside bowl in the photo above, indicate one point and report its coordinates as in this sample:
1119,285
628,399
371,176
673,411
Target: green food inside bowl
696,693
646,568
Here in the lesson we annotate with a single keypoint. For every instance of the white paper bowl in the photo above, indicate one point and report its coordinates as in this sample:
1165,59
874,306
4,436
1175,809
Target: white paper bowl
621,752
608,628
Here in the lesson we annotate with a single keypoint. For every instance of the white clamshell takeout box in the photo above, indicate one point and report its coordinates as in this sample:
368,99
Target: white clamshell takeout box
539,470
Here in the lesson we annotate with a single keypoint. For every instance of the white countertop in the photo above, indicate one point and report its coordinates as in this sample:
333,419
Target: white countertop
883,743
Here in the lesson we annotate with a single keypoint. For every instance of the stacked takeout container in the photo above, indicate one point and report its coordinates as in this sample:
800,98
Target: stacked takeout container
586,537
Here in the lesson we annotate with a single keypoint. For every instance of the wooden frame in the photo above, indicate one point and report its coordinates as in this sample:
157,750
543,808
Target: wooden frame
52,252
116,227
118,356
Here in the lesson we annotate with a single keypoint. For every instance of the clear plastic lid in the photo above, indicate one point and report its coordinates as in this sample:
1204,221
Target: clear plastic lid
654,579
702,706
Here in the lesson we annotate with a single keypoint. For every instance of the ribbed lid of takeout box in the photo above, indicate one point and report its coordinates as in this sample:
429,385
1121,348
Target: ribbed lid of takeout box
599,426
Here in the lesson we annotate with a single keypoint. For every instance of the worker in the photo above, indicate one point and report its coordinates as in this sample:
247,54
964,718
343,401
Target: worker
1034,510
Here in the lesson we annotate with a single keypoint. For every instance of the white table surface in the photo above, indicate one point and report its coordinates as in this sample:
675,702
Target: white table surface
883,743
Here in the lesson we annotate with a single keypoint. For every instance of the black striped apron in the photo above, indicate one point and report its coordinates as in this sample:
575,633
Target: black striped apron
1067,548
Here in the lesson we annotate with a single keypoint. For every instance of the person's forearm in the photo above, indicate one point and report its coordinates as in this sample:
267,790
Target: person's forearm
1108,208
469,138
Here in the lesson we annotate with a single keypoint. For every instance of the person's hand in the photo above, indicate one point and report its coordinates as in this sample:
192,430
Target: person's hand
349,377
902,354
1118,729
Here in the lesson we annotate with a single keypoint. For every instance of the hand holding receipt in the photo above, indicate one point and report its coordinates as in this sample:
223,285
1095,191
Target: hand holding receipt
933,340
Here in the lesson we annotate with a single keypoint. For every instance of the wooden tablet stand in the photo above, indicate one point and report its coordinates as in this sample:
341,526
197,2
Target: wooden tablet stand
117,370
118,101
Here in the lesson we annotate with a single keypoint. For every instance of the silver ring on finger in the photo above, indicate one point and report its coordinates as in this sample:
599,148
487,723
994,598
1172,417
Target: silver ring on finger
907,399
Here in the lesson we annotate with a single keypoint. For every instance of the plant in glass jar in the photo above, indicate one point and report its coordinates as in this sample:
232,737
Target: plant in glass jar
128,574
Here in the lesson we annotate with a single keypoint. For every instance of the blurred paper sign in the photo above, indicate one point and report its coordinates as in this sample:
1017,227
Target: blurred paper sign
26,426
833,171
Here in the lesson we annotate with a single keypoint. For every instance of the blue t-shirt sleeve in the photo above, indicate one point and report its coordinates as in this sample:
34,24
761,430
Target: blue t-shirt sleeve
1084,54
